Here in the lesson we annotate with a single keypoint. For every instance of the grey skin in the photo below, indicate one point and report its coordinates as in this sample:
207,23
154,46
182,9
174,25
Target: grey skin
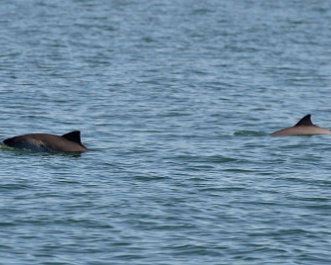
303,127
41,142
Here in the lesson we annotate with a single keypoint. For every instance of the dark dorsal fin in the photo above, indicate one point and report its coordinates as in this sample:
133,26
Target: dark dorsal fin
73,136
305,121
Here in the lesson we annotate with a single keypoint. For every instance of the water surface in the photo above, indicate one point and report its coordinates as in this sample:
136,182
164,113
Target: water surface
176,101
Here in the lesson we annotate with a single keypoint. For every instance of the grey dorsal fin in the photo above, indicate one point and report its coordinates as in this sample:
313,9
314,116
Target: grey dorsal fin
73,136
305,121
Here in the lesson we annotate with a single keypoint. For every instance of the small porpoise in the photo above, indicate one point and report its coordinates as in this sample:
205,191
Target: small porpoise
41,142
303,127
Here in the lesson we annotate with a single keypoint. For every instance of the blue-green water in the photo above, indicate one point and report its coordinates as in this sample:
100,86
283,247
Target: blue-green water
176,100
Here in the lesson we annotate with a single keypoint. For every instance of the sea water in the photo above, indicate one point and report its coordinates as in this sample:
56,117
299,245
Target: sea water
176,101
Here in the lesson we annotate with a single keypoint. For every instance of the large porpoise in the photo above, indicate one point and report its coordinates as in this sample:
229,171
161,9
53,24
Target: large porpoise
41,142
303,127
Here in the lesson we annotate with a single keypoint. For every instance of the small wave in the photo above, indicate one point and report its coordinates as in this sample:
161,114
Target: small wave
249,133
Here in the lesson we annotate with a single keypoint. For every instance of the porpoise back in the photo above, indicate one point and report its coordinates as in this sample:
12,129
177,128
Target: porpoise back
303,127
41,142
